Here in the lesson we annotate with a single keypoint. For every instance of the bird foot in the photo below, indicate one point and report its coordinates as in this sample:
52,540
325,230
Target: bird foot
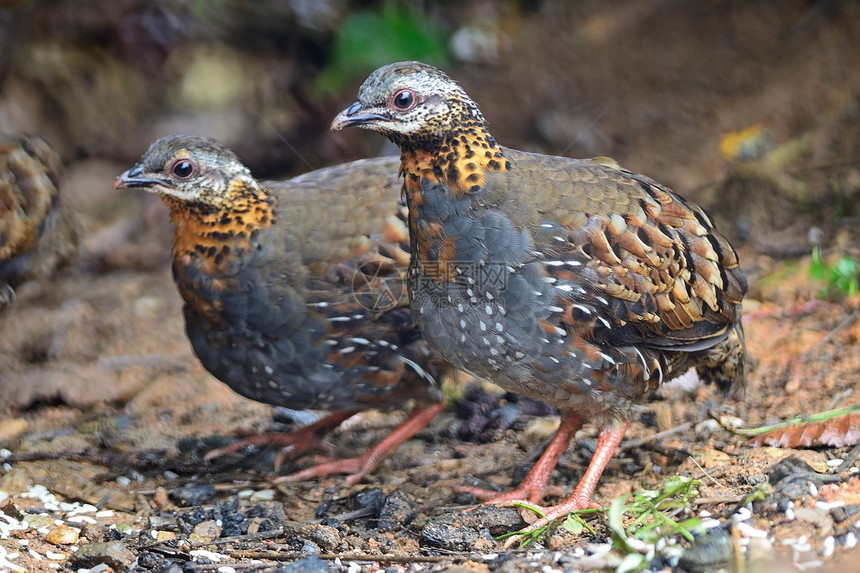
291,444
550,514
355,468
533,493
359,466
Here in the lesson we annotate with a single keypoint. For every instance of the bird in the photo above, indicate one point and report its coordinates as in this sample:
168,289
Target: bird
294,290
573,281
39,234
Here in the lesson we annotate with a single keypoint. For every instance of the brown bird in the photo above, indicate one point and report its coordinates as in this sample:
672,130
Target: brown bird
38,233
294,290
571,281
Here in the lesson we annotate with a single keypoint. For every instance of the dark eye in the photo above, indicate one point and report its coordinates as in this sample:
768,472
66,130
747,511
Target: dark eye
403,100
182,169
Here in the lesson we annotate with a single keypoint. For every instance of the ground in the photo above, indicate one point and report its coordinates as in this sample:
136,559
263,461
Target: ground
751,110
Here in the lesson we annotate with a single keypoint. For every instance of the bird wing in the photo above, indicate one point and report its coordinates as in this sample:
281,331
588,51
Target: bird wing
651,264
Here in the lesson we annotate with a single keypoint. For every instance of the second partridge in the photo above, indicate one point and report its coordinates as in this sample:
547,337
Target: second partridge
292,289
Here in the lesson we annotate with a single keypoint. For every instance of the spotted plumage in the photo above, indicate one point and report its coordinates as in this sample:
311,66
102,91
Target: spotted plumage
573,281
293,289
38,233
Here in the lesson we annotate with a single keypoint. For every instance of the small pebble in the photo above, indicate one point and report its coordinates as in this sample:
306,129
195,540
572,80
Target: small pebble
210,555
834,463
207,530
828,505
81,519
263,495
748,530
54,555
63,535
828,546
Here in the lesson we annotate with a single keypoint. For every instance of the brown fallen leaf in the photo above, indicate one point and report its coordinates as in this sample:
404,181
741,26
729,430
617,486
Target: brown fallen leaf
842,430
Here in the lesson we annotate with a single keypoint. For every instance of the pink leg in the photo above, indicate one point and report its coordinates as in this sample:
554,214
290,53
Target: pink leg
360,466
533,486
607,441
293,443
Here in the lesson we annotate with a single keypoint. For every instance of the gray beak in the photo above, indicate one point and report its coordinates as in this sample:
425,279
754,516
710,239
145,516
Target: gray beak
353,116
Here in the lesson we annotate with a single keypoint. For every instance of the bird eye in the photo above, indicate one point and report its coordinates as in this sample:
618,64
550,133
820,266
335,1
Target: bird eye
403,100
182,169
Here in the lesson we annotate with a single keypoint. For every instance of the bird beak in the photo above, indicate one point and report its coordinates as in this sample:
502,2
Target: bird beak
353,116
134,178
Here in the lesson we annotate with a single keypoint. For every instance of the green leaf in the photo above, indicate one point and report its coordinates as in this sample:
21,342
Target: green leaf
616,511
371,38
818,269
573,525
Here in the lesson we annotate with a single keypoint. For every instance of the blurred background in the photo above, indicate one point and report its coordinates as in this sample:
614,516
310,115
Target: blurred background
750,108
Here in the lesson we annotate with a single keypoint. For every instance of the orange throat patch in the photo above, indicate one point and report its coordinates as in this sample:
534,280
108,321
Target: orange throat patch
460,166
209,246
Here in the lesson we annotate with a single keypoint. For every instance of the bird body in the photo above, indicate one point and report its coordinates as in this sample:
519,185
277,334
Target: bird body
571,281
278,280
38,233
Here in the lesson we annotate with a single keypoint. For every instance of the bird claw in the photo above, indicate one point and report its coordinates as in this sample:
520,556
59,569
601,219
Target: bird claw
355,468
548,515
291,445
490,497
7,295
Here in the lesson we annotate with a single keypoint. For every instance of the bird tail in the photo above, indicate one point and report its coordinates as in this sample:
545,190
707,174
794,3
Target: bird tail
725,363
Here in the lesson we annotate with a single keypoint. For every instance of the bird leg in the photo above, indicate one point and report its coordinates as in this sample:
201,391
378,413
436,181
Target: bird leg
607,440
292,443
533,486
365,463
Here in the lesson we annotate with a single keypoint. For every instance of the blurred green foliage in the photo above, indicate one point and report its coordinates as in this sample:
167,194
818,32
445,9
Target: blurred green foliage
388,33
842,277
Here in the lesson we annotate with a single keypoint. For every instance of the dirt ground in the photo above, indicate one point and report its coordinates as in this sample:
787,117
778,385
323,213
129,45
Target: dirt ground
752,109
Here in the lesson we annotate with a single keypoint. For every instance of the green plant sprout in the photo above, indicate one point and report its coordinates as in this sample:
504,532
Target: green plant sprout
842,278
650,515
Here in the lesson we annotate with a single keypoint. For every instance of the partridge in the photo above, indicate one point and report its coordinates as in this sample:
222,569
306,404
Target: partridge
294,290
38,233
571,281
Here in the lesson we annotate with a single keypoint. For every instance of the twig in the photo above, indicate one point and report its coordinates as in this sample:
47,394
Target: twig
849,460
240,538
846,322
705,472
632,444
293,555
718,500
